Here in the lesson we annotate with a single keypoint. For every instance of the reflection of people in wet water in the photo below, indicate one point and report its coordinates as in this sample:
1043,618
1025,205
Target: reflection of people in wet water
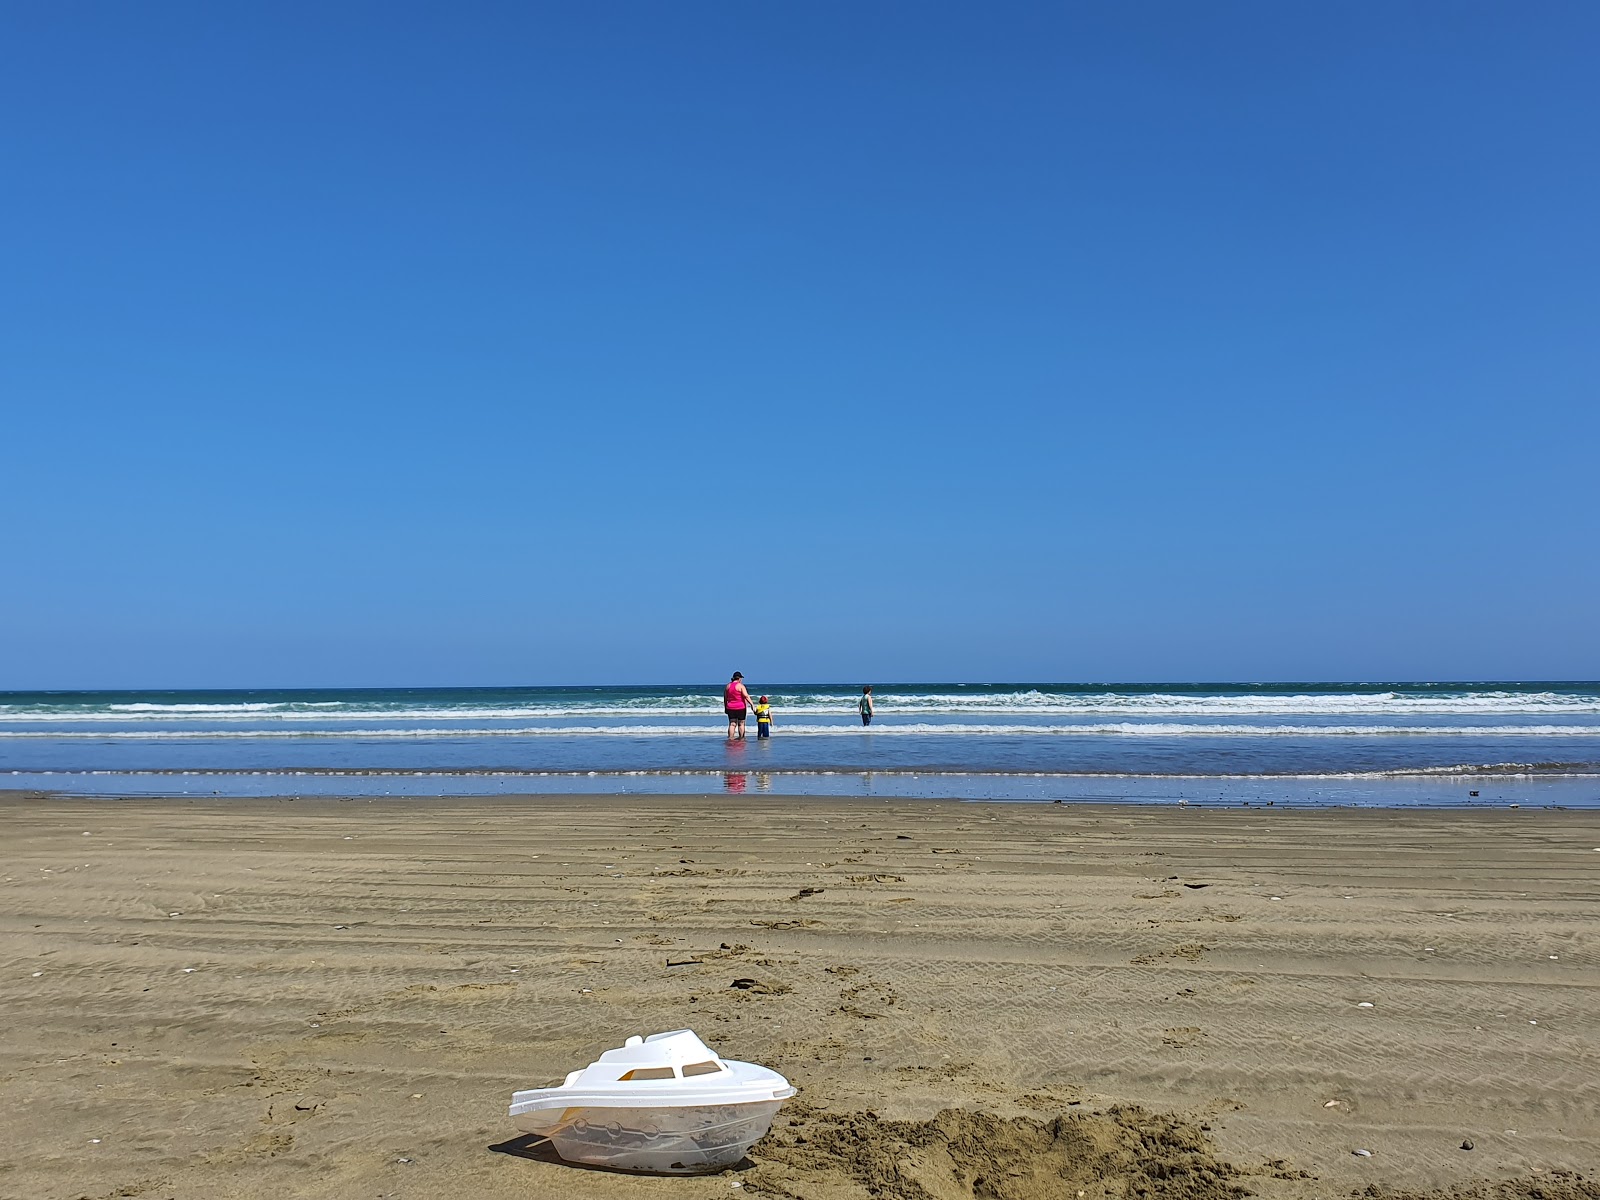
735,781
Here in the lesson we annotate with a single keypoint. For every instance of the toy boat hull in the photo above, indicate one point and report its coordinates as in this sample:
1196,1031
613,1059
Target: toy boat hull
675,1140
664,1104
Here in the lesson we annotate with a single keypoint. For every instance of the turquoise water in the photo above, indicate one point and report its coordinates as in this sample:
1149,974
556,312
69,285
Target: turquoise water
1398,743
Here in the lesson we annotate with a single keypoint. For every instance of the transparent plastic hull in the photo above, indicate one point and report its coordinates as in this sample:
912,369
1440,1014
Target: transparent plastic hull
670,1141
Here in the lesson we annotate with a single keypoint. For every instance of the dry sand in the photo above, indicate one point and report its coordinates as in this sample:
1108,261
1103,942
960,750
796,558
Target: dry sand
337,998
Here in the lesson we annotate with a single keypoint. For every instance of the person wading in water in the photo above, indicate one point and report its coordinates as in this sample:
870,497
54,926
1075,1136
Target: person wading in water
736,703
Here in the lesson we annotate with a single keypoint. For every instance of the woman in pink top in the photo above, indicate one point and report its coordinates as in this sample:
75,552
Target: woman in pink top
736,703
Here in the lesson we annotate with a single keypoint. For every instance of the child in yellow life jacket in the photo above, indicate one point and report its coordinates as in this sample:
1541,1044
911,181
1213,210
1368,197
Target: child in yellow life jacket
763,718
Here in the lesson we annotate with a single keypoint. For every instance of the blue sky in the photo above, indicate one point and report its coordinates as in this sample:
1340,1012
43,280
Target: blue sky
397,344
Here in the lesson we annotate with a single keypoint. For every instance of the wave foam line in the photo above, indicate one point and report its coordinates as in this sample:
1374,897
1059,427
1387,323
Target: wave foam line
1033,703
1152,729
1464,771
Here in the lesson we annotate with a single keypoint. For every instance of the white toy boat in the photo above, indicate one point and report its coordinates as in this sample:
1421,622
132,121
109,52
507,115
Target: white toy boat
665,1103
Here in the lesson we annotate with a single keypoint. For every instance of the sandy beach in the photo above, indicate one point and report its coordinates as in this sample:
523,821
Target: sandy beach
336,998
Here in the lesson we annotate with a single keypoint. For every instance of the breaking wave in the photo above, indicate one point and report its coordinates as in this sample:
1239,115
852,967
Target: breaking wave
1124,729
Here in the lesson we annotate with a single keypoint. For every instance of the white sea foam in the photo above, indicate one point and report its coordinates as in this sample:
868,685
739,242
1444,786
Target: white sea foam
1464,772
184,709
1022,703
1123,729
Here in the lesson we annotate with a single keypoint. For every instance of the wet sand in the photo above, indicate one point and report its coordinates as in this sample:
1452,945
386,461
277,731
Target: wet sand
337,998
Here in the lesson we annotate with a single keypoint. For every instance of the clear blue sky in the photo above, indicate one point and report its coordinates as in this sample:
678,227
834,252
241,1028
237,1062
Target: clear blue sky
515,343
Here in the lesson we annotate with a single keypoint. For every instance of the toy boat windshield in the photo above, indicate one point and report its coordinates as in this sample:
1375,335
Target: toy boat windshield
664,1103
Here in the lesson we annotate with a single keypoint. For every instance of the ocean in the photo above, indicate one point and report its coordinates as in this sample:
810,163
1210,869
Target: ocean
1392,744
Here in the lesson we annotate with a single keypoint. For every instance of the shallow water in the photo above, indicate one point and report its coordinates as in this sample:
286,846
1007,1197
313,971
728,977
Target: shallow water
1392,743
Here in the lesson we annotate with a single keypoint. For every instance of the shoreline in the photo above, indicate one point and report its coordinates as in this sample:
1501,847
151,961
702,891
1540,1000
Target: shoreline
317,988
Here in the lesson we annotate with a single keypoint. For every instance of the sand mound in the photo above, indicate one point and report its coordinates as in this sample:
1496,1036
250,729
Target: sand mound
964,1155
